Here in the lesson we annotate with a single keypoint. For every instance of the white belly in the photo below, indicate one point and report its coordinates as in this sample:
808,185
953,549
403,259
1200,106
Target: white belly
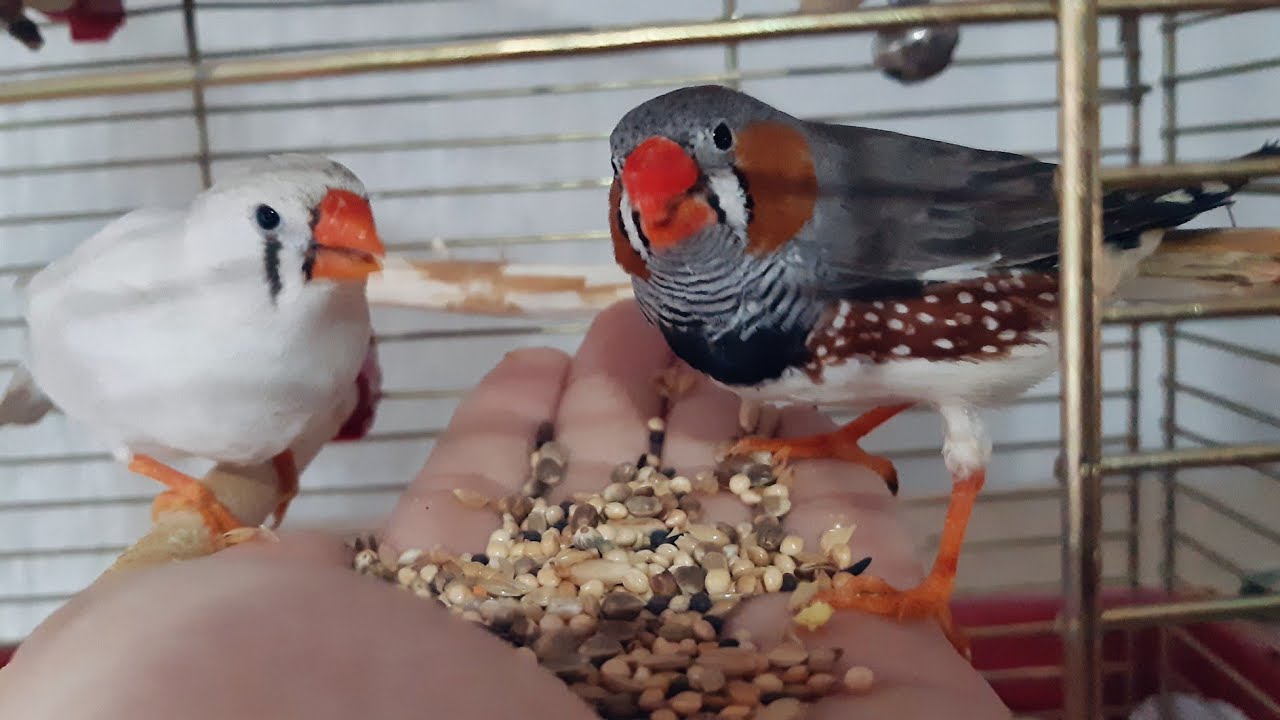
973,383
180,379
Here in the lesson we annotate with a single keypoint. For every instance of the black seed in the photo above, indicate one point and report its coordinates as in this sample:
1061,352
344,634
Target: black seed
716,622
789,582
700,602
657,537
729,642
532,535
546,433
484,559
859,567
679,685
658,603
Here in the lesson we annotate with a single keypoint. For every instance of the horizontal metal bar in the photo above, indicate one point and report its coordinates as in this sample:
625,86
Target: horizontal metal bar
1229,513
1255,693
1021,543
1222,562
1195,437
1185,612
259,69
1227,404
1170,175
1224,307
1224,71
1189,457
1228,346
1236,126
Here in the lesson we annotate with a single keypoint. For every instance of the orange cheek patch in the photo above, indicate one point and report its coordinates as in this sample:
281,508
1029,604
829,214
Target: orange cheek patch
775,160
623,254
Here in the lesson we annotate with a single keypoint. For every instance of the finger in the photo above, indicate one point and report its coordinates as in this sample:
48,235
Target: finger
826,493
484,450
610,396
699,423
916,671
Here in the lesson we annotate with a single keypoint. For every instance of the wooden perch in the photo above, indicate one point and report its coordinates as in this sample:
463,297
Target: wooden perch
1214,261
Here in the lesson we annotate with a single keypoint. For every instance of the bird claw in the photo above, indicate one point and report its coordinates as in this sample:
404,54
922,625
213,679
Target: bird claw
245,534
929,599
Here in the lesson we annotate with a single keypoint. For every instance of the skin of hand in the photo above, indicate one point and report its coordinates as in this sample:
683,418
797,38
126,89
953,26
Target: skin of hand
284,630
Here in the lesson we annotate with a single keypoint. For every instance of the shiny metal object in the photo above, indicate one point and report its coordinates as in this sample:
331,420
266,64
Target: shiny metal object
1080,191
913,54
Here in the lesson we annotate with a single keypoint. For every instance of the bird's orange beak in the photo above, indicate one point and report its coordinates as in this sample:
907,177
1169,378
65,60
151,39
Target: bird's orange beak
659,177
347,246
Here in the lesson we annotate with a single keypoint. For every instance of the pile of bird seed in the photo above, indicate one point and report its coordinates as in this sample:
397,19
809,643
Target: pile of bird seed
624,594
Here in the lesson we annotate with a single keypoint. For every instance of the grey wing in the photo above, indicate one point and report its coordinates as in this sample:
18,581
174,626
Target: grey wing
902,209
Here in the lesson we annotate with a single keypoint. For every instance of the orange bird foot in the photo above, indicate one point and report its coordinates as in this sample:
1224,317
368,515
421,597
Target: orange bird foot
841,444
929,599
187,493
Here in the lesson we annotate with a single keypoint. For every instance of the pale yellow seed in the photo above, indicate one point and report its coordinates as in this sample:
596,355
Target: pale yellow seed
582,623
842,556
792,545
718,581
428,572
758,555
748,585
555,514
626,537
784,563
615,511
682,558
681,485
409,557
528,580
499,536
666,552
635,581
775,491
608,532
679,603
550,623
406,575
835,537
772,579
457,593
858,679
617,555
740,566
677,518
498,550
596,502
592,588
739,484
547,576
750,497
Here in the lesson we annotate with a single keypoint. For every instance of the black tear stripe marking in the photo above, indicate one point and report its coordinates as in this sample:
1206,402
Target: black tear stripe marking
309,261
271,262
644,239
747,202
714,201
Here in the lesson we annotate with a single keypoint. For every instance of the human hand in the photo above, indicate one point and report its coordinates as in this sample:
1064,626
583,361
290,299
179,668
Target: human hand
288,630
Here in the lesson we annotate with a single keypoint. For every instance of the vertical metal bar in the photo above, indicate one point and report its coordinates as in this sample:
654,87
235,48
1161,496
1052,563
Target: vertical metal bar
1169,478
1079,189
730,12
1130,38
197,91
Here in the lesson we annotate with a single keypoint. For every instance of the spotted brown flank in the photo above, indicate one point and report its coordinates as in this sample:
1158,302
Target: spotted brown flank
777,171
974,320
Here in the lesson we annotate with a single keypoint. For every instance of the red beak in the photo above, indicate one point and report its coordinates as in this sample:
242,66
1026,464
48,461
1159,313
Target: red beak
347,245
658,177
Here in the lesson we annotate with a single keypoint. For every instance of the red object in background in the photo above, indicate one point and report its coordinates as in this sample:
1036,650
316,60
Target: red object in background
1240,654
91,20
369,381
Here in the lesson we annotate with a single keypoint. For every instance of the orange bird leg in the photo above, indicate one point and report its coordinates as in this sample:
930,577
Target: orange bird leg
287,477
842,444
931,597
185,492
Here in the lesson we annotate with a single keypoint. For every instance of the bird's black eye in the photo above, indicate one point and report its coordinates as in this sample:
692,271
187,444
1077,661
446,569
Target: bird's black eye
722,137
267,217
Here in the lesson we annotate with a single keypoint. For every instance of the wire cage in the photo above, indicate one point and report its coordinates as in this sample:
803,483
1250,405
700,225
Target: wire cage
1144,566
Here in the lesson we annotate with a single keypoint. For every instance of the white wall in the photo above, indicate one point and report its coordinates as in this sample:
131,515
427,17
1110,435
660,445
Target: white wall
96,507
